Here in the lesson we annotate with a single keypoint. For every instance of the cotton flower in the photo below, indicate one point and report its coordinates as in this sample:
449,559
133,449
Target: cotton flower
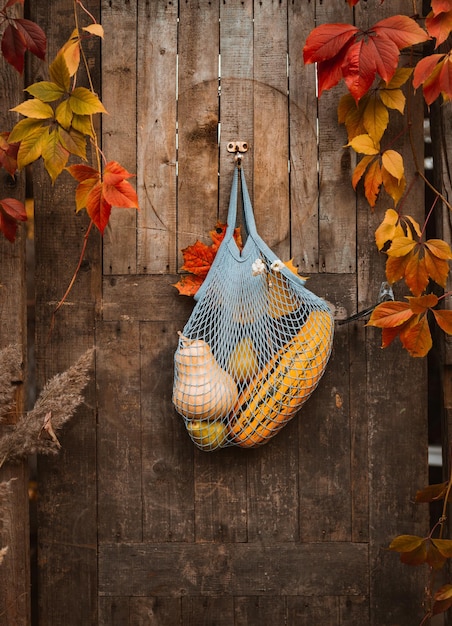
258,267
277,265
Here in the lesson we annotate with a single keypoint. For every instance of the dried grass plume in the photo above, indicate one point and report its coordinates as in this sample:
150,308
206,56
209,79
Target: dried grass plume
10,375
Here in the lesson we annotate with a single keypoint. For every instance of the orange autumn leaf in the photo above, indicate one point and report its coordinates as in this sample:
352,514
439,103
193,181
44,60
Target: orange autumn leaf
416,338
390,314
444,320
388,229
198,259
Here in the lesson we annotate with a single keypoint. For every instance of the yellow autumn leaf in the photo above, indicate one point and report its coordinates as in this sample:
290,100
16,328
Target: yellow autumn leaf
414,225
54,154
375,118
364,144
392,161
360,169
400,77
372,182
393,187
389,228
30,148
401,246
71,52
34,108
350,114
393,99
94,29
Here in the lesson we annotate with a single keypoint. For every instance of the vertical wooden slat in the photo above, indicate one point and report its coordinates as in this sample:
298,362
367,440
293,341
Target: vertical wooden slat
254,610
67,531
119,96
271,126
14,533
303,141
237,92
198,121
156,136
119,425
337,203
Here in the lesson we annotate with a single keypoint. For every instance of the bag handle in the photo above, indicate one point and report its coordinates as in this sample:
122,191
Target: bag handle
250,223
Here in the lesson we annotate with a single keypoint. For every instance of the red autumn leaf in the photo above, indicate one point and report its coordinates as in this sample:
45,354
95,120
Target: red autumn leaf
83,172
372,182
439,26
34,37
416,337
11,211
444,320
116,190
13,48
357,55
434,73
97,207
389,334
352,3
441,6
326,41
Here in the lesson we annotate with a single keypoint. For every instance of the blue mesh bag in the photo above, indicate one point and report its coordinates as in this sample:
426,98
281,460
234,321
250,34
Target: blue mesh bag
255,346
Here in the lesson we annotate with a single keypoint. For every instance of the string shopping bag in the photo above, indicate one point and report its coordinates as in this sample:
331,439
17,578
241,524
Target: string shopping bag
255,346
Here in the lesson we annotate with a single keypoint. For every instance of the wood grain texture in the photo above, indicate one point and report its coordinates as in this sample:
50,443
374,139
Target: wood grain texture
243,569
304,193
15,600
119,136
156,136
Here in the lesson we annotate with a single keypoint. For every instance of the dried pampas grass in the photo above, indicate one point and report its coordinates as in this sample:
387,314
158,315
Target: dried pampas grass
10,375
5,512
35,432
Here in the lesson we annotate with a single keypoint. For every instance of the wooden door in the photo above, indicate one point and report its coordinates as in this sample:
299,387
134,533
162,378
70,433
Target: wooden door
136,525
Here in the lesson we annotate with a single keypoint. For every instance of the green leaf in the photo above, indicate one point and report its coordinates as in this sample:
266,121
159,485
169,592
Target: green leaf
54,154
59,72
34,108
24,128
84,102
46,91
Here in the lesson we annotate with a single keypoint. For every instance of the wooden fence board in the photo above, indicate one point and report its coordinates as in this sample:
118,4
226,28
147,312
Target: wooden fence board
119,96
119,426
244,569
156,130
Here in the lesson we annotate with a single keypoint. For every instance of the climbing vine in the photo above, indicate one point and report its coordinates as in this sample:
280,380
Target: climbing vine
368,61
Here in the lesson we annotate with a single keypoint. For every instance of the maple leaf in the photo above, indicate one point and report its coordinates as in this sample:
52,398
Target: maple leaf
97,194
357,56
11,212
198,259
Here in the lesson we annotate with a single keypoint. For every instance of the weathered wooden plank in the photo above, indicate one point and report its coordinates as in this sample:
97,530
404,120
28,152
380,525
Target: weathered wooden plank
304,192
156,143
237,92
119,128
220,495
233,569
120,509
271,150
206,611
67,563
257,610
137,298
273,505
155,611
337,202
324,433
328,611
197,115
114,611
14,532
167,452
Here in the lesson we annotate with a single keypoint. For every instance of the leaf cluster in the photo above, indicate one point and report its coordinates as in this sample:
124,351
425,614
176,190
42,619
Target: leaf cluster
367,61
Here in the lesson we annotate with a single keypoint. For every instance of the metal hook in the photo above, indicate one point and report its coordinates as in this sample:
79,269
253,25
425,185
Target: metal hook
239,148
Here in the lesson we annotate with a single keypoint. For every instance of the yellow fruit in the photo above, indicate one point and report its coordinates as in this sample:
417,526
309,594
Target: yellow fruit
281,298
277,393
243,363
207,435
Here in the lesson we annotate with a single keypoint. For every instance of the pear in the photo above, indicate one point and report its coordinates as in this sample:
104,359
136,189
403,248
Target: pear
243,361
208,435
